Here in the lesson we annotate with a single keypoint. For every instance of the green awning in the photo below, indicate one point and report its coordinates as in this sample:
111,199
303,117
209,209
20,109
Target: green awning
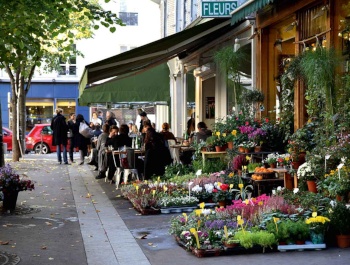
150,85
248,8
179,44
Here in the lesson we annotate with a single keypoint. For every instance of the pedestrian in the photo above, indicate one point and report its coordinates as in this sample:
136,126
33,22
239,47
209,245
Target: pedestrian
71,123
100,116
59,137
79,140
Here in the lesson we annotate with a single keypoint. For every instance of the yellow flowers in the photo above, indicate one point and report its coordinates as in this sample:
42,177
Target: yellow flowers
234,132
153,192
217,133
202,205
275,220
317,220
248,158
165,188
224,135
185,215
240,186
225,231
194,232
231,175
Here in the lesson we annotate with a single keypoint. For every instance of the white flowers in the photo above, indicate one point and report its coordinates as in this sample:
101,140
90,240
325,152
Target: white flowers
197,188
209,187
305,171
177,201
295,190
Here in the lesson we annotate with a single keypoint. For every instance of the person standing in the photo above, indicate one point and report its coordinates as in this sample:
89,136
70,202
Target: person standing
144,118
71,123
59,137
79,140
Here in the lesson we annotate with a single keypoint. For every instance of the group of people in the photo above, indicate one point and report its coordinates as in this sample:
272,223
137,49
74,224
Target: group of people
156,152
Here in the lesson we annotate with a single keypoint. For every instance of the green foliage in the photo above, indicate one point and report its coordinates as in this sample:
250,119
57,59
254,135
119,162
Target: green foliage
176,170
211,165
248,239
340,219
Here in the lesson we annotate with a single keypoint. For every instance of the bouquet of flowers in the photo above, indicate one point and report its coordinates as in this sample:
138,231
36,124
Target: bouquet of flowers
10,181
284,159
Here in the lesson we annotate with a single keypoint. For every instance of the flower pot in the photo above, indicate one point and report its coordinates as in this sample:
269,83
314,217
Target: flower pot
343,241
300,242
311,185
10,200
246,150
316,238
257,149
232,245
222,204
241,149
220,148
230,145
295,165
273,165
288,181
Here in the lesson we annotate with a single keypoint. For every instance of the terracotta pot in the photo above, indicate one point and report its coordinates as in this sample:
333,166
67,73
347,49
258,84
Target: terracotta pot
295,165
257,149
220,148
311,185
230,145
343,241
246,150
289,181
300,242
241,149
273,165
222,204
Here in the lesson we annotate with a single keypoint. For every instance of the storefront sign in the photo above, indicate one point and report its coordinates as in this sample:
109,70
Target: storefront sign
218,8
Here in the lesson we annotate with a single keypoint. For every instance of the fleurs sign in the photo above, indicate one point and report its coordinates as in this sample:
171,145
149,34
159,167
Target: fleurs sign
218,8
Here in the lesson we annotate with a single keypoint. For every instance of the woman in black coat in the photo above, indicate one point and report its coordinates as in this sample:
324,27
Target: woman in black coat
79,140
157,155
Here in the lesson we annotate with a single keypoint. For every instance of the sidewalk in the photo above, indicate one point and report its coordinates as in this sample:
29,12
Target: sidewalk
76,224
71,218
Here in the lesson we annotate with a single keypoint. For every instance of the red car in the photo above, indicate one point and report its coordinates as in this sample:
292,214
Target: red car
39,139
7,138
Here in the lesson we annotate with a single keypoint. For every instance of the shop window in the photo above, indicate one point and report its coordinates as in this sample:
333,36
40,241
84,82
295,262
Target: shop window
68,106
38,113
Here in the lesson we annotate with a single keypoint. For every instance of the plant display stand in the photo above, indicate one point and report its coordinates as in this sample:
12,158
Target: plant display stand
308,245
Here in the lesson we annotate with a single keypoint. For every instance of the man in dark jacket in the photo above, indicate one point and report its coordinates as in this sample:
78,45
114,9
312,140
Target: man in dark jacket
59,137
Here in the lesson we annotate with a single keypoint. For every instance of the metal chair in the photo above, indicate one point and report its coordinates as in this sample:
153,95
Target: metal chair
174,152
129,169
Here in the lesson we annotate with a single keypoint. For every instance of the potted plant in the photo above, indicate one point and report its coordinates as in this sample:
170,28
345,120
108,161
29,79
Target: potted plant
230,138
305,173
10,184
257,136
317,227
252,166
271,160
340,223
299,231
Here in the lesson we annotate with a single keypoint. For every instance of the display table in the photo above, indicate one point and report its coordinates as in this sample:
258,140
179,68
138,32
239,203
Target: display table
267,184
206,155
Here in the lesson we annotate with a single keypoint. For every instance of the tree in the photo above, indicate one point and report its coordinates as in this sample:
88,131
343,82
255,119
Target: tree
36,34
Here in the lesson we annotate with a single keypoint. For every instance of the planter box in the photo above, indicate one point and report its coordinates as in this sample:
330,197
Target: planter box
308,245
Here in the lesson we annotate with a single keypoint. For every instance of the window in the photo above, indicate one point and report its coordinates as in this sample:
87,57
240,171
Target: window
69,66
129,18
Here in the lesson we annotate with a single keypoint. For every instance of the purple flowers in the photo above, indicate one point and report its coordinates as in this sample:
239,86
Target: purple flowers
11,181
256,134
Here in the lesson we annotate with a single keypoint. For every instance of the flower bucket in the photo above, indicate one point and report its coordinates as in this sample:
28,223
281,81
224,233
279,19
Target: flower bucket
10,201
311,185
316,238
241,149
343,241
257,149
230,145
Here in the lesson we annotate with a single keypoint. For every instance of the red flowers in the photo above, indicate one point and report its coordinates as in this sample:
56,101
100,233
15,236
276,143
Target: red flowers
224,187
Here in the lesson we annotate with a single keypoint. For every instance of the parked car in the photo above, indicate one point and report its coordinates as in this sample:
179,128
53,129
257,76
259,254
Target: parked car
7,138
39,139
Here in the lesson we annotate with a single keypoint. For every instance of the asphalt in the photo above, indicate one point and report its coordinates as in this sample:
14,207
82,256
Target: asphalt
71,218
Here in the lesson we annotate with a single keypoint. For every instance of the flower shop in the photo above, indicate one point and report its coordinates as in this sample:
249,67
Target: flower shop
275,187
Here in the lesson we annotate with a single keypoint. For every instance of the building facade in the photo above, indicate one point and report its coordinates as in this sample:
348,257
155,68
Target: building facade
60,89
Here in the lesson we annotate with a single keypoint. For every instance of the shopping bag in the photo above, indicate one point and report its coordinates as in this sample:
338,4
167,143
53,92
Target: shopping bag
85,130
